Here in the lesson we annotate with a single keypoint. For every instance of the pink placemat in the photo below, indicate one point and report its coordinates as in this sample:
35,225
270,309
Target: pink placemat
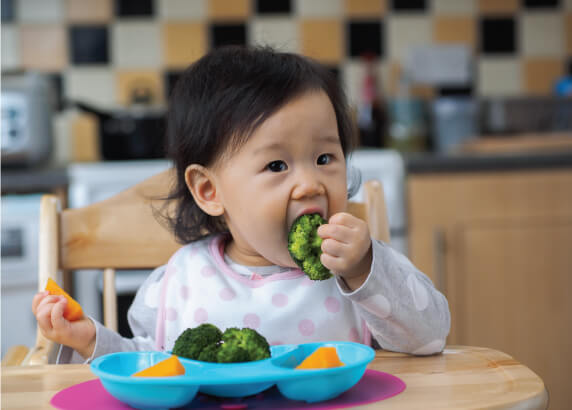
373,386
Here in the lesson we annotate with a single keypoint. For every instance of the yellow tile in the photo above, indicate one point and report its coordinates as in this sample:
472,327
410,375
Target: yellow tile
540,74
43,47
183,43
85,138
365,8
229,9
129,83
568,28
81,11
455,30
498,6
322,40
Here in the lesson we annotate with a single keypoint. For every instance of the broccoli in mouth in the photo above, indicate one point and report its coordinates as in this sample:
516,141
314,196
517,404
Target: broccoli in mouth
304,246
207,343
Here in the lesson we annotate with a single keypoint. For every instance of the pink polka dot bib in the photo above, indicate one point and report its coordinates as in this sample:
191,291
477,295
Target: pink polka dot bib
286,307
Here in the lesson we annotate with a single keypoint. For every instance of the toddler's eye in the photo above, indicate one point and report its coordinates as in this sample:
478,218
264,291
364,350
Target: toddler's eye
277,166
324,159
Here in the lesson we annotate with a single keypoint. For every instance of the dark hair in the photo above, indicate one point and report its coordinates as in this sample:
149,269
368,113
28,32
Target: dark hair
220,100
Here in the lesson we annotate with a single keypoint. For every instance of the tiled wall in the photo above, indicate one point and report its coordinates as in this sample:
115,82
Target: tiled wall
100,50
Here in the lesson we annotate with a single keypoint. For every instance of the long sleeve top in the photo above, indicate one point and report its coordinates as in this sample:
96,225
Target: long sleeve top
397,306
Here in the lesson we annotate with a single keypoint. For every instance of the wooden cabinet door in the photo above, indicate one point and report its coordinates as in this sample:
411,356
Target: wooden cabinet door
512,290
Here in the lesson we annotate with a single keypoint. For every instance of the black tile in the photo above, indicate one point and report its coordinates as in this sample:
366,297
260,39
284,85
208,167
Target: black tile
273,6
455,91
498,35
88,44
226,34
535,4
409,5
365,38
7,11
134,8
170,79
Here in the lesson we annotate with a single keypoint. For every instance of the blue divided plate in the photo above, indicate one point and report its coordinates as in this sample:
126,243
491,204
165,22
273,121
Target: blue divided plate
232,379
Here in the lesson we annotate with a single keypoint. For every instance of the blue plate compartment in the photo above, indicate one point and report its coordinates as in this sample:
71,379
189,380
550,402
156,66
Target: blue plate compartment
232,379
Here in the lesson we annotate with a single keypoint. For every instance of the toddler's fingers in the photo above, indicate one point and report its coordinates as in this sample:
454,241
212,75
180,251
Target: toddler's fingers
57,316
332,247
44,316
38,297
339,232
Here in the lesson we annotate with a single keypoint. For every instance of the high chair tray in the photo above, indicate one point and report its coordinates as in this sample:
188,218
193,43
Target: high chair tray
232,379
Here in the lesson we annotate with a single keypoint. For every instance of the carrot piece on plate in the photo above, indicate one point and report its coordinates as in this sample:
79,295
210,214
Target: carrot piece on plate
73,309
322,358
165,368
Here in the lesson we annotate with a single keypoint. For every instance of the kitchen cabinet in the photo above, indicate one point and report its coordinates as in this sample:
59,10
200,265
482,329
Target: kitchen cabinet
499,245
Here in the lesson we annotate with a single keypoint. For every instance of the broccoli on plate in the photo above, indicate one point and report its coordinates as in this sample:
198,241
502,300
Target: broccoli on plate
207,343
304,246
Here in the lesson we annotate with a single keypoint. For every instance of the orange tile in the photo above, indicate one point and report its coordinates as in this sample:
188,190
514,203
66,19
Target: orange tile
82,11
322,40
183,43
540,74
568,28
498,6
455,30
365,8
43,47
229,9
129,83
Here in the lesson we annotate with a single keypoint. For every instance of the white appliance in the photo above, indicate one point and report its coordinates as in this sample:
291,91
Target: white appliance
388,167
93,182
20,222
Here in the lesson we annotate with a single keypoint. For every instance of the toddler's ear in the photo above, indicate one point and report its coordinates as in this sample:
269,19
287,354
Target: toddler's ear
202,185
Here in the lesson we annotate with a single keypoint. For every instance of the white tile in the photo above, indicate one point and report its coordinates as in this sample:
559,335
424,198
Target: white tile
499,77
39,11
91,85
183,9
318,8
136,44
457,7
542,34
279,32
406,32
352,74
10,47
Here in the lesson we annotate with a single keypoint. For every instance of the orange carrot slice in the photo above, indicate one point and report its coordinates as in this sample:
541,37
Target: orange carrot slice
165,368
323,357
73,309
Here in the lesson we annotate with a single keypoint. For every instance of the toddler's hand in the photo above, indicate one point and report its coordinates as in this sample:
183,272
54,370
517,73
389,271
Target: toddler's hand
346,248
49,312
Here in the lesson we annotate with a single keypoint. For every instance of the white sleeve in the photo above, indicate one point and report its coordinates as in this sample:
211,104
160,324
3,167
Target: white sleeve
402,308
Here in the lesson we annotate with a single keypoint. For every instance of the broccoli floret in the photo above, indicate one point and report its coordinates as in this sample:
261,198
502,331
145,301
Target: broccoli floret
249,340
232,353
192,341
304,246
210,353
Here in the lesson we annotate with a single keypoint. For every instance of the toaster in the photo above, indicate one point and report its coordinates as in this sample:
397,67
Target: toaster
26,128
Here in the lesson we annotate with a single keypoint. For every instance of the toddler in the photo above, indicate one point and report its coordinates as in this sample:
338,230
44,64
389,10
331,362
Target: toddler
258,138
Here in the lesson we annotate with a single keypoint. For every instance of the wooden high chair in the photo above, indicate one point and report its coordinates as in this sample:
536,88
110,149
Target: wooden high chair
122,233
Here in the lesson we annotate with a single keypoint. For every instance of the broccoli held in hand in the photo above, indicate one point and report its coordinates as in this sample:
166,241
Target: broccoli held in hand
207,343
304,246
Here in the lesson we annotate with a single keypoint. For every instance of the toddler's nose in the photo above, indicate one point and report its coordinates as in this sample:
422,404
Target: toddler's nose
307,186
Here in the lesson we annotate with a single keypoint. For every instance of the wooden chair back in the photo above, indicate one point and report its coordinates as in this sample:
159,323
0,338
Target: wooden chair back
122,232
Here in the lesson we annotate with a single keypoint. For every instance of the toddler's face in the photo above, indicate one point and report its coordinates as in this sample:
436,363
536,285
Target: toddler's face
293,164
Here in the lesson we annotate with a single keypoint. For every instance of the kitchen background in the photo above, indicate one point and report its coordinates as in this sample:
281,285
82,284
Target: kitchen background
463,110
